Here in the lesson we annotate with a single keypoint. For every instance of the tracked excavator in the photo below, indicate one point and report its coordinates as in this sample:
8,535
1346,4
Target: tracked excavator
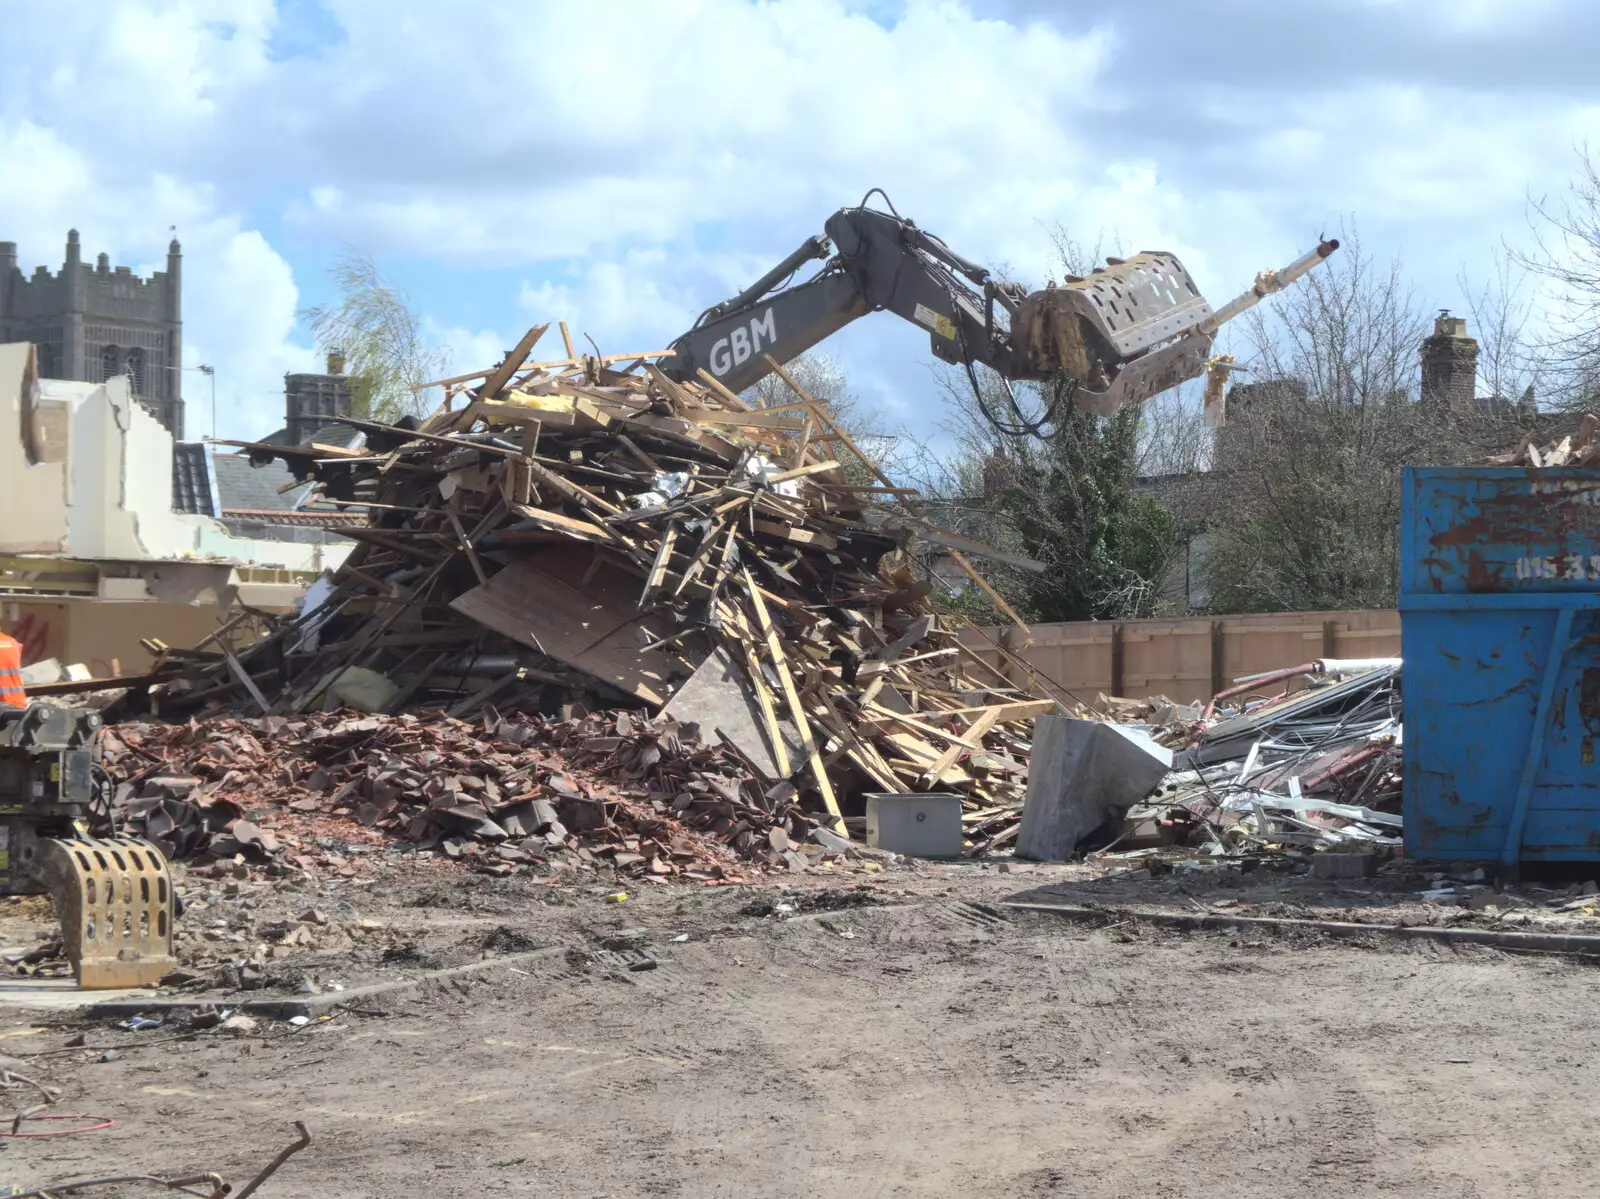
1117,336
113,895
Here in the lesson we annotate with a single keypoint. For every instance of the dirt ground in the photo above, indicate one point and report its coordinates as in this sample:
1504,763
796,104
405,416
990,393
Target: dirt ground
887,1034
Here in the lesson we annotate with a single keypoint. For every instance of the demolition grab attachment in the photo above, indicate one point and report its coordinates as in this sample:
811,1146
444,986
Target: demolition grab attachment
1136,327
112,895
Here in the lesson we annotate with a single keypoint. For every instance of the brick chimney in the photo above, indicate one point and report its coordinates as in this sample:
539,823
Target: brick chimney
1450,367
311,402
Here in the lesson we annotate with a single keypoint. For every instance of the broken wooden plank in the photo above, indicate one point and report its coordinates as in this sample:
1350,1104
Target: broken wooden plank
502,373
796,535
658,568
563,523
797,711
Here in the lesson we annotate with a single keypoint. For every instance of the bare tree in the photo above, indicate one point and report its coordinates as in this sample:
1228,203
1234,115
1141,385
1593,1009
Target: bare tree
1306,490
1510,362
1566,253
374,325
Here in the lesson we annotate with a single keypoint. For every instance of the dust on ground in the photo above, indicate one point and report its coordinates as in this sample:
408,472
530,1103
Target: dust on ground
899,1031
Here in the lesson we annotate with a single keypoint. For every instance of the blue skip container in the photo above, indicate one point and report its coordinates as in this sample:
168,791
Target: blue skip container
1500,632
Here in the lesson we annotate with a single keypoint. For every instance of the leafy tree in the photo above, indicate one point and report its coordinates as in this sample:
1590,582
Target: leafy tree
381,336
1073,503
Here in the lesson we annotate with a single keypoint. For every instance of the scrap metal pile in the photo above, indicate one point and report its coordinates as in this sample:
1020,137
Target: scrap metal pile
588,535
1312,769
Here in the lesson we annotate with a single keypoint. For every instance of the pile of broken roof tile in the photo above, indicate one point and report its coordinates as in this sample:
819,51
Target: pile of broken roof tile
622,793
587,535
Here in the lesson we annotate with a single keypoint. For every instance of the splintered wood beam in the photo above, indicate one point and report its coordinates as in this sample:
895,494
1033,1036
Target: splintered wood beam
743,420
724,562
467,546
801,472
240,673
632,447
668,388
502,373
961,741
658,568
702,555
797,711
571,490
802,443
721,389
732,616
566,340
975,733
796,535
563,523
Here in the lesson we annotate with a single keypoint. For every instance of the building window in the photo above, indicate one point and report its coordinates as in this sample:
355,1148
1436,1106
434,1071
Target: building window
47,361
135,369
110,363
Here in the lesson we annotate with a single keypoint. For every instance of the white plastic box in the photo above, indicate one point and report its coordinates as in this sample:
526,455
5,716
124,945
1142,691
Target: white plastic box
923,824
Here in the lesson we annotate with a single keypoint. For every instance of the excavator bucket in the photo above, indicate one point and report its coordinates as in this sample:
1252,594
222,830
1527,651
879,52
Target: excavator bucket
1107,330
114,899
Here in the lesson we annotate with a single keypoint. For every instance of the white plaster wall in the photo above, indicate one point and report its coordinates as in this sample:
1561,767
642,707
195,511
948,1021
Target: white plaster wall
33,508
112,499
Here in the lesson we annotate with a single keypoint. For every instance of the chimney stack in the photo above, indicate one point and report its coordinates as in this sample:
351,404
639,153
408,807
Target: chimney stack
1450,367
336,362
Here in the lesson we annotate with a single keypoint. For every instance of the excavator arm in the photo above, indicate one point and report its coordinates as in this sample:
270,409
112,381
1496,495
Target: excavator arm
1127,331
879,262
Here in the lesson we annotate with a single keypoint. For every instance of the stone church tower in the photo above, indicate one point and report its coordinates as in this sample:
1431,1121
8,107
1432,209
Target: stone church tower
92,322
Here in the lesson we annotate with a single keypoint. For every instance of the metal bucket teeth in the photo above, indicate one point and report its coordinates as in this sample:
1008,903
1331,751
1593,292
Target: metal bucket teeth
114,900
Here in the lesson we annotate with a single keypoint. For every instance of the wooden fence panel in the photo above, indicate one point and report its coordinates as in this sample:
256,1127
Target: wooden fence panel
1185,660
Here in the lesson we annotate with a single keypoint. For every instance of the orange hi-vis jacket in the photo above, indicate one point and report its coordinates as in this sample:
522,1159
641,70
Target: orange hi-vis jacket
11,672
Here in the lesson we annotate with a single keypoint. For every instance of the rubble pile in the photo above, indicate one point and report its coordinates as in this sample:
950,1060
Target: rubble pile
587,535
1312,769
642,797
1581,448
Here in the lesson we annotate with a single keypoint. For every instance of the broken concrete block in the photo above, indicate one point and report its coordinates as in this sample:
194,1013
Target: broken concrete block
1077,770
1344,865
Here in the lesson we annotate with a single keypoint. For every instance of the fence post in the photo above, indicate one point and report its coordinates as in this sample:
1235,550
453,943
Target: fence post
1218,649
1330,638
1116,659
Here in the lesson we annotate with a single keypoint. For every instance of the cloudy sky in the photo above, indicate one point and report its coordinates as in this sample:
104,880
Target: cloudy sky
621,164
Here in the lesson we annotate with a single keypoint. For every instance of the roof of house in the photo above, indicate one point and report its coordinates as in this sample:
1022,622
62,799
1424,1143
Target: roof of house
243,486
340,435
228,487
193,486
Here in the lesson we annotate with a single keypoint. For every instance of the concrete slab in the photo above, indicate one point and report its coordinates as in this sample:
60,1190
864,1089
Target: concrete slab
283,1007
59,994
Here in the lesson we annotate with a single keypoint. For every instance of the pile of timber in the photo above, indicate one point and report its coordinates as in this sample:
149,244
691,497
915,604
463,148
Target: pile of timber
1580,448
588,534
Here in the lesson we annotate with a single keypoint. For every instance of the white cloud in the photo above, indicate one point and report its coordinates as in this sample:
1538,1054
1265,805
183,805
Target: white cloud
633,162
239,293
